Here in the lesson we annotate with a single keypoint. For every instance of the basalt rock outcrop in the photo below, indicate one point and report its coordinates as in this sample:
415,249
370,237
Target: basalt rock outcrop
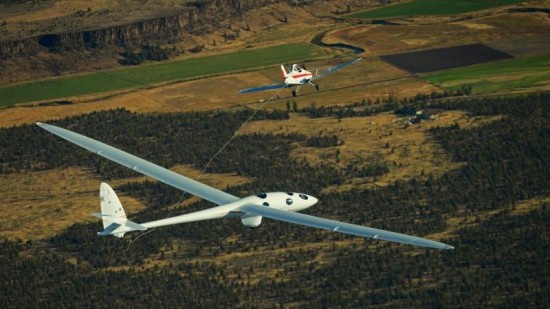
198,17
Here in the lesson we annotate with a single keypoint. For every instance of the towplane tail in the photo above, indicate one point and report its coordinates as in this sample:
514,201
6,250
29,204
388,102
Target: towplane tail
112,214
283,71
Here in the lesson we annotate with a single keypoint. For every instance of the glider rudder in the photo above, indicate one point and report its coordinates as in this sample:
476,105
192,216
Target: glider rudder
112,214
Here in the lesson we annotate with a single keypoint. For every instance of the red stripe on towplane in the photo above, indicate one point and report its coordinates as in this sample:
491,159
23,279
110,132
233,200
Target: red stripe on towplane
301,75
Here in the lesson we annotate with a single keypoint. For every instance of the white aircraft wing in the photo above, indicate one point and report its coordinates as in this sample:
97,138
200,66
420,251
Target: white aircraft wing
336,226
333,69
263,88
145,167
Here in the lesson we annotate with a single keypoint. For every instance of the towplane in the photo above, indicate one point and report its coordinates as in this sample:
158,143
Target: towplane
297,77
283,206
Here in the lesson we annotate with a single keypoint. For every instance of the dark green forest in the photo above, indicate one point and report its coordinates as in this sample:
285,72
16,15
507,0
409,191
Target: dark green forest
500,261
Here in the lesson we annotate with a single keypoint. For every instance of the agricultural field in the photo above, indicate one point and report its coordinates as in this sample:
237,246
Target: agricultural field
431,7
523,35
509,30
445,58
142,76
519,74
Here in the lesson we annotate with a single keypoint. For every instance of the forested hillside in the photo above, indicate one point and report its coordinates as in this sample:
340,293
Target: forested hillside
492,210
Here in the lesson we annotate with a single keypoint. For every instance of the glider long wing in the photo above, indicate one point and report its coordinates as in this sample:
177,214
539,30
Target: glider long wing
263,88
139,165
335,68
336,226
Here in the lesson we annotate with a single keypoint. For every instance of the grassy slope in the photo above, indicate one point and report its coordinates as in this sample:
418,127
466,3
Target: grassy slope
494,76
431,7
140,76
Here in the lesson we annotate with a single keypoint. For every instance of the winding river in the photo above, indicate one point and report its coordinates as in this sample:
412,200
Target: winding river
318,40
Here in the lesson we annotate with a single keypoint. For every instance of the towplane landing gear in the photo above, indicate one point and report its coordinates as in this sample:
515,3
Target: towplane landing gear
295,92
315,85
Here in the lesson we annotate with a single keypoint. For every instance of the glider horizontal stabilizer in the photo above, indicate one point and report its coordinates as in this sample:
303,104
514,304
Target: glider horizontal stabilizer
341,227
109,229
113,228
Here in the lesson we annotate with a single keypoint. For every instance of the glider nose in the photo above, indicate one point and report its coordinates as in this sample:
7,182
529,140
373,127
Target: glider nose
313,199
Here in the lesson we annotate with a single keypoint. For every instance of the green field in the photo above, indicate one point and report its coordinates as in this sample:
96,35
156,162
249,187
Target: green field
497,76
432,7
140,76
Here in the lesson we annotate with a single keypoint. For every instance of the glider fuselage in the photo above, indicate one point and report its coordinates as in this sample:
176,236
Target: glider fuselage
288,201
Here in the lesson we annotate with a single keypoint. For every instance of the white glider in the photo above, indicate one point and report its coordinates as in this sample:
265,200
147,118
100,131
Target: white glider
297,77
281,206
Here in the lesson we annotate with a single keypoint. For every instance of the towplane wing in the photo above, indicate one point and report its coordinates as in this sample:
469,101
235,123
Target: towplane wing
335,68
263,88
139,165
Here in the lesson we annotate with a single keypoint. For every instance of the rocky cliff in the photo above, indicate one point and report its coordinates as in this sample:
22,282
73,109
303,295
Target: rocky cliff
199,16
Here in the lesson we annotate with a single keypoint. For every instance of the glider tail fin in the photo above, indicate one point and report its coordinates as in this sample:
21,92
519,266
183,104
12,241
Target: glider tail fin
111,207
114,218
283,71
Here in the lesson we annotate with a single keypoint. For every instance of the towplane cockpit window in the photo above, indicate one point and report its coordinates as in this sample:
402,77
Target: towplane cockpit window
303,196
